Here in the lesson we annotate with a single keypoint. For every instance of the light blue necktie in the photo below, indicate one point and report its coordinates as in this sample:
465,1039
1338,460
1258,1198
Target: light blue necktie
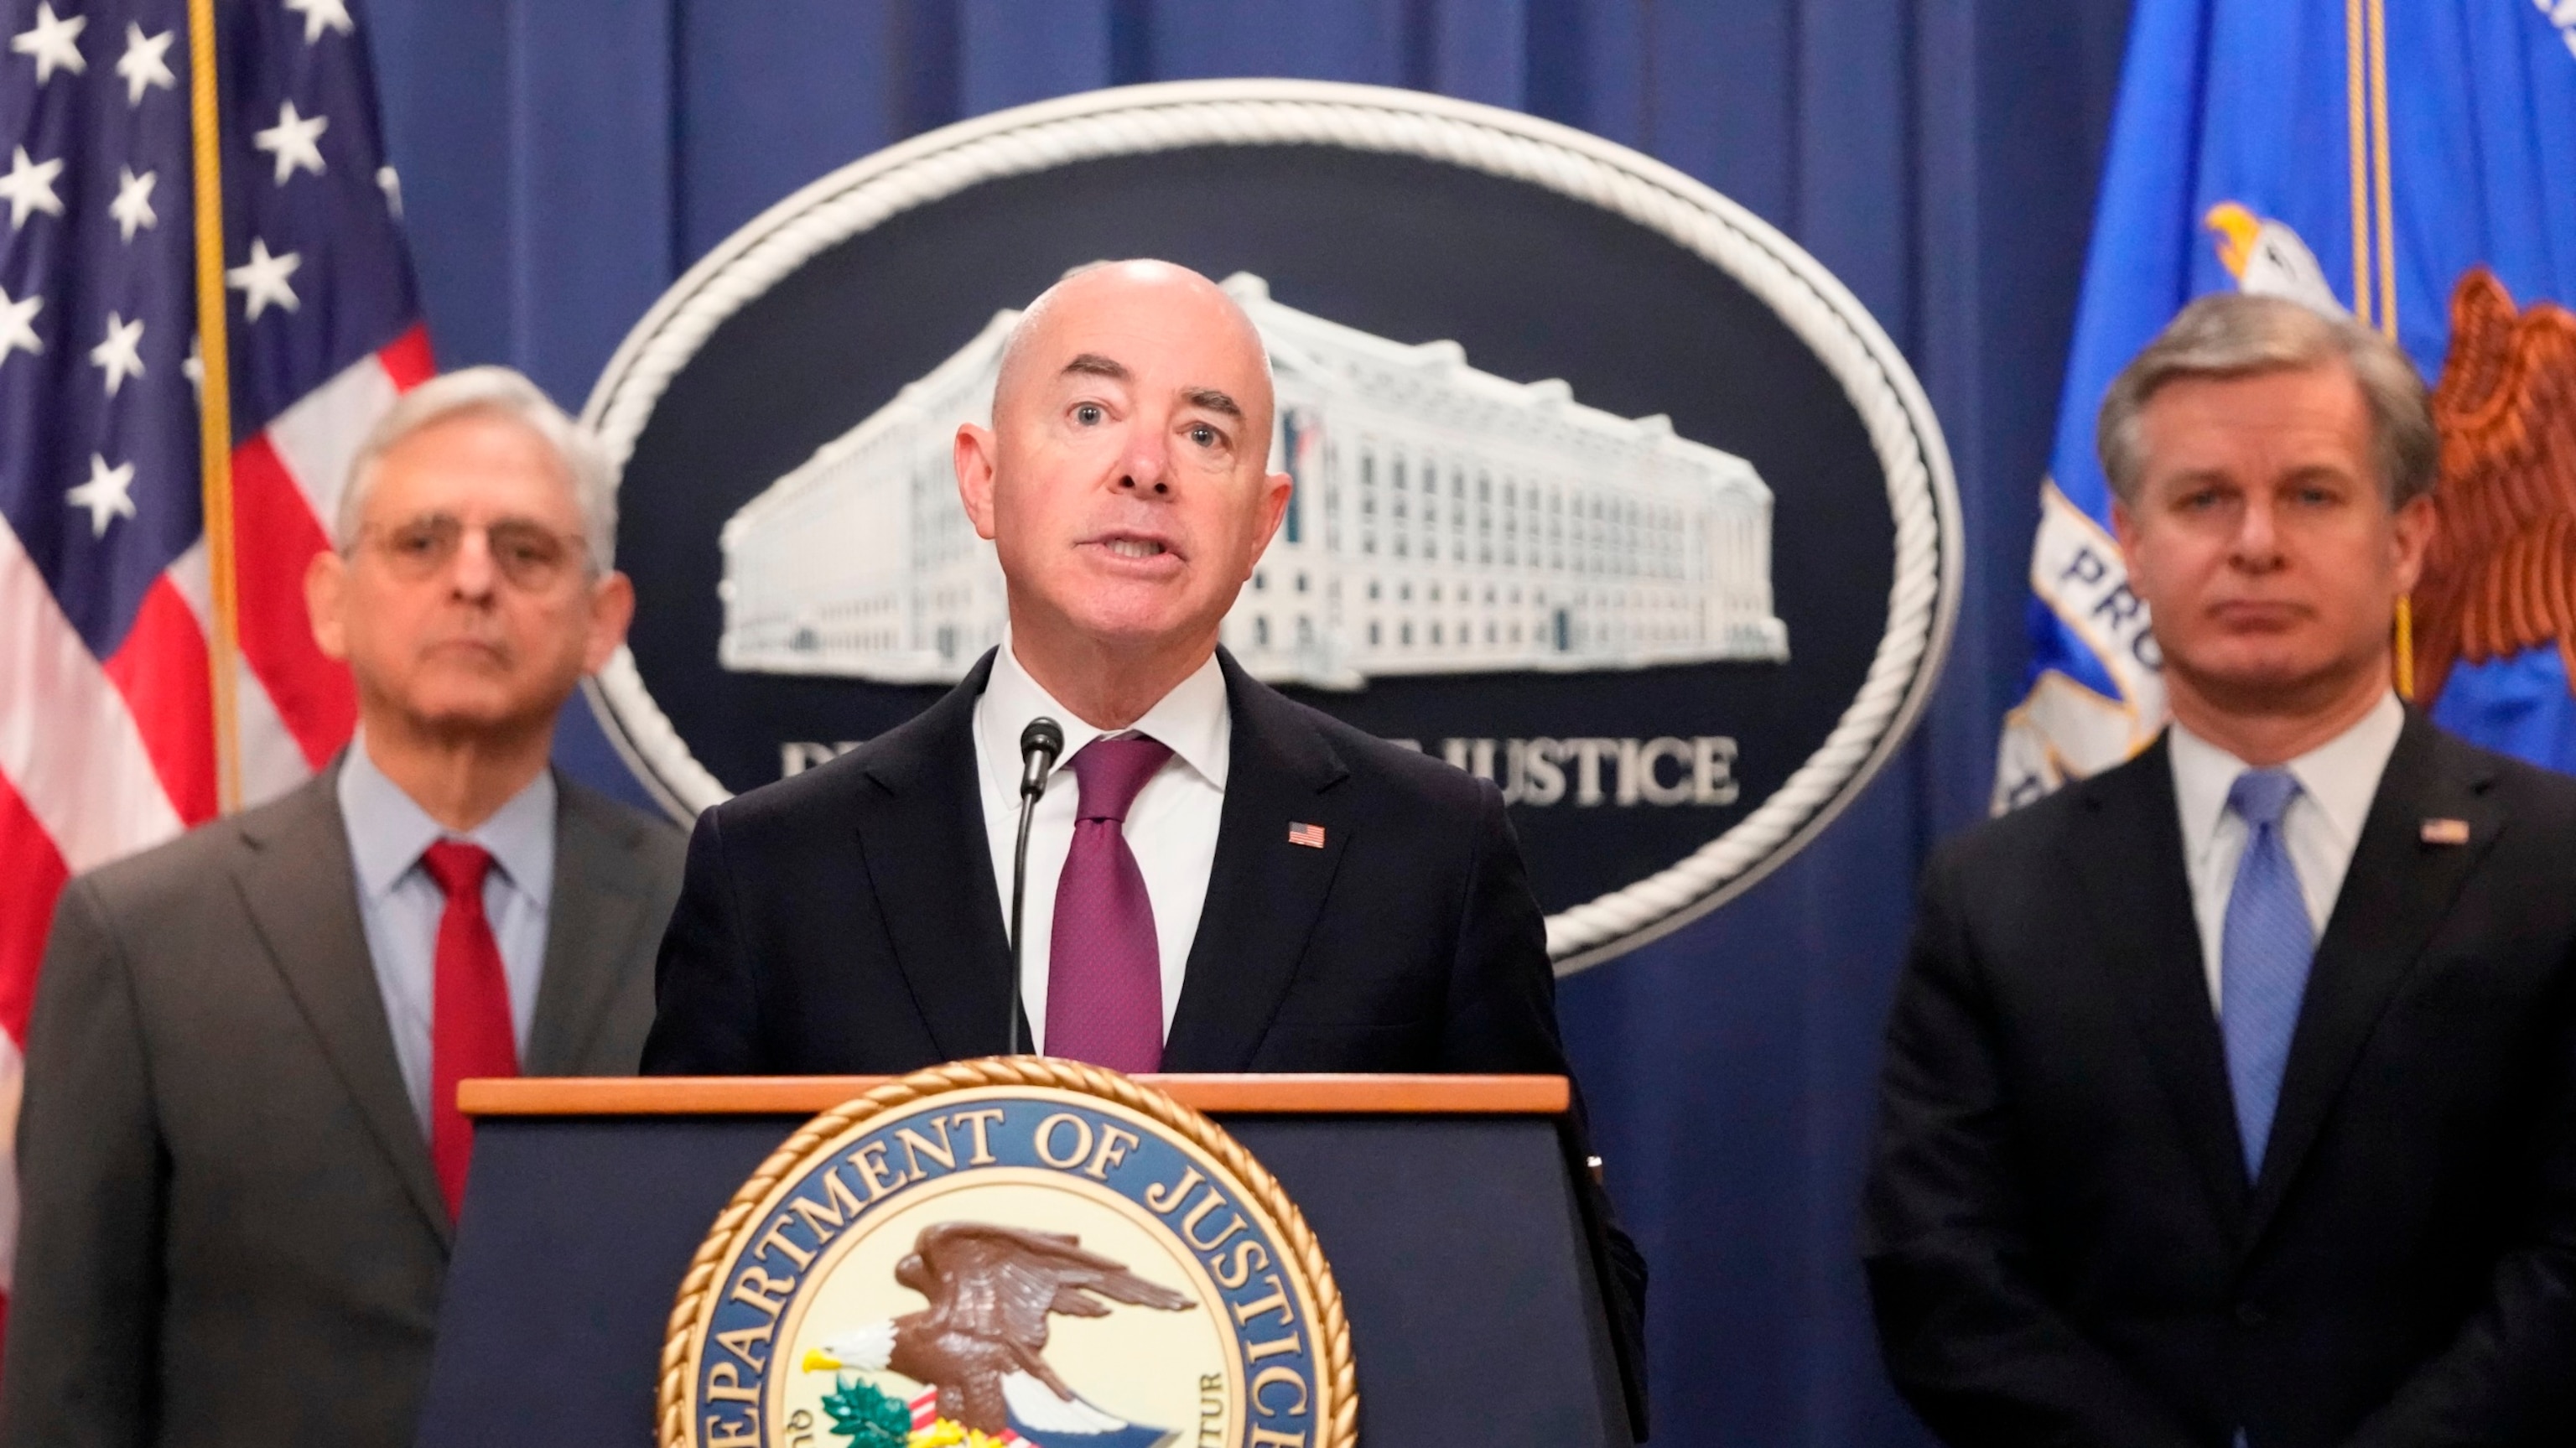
2263,958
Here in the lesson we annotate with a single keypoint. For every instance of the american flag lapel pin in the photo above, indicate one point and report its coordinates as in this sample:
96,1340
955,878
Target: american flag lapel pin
2446,832
1311,836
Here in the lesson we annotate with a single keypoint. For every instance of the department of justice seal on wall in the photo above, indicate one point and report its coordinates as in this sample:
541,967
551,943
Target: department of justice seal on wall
1013,1250
1603,490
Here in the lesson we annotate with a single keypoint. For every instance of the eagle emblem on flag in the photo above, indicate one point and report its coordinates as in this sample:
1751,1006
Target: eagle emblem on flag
2501,574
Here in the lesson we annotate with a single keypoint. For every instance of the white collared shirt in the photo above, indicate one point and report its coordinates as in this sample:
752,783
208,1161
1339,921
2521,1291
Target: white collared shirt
399,905
1171,827
2337,781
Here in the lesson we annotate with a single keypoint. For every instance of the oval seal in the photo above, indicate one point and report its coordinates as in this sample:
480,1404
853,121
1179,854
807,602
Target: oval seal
1010,1250
1604,489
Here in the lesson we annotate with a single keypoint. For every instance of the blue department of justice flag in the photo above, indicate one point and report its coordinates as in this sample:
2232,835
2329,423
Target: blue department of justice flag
2412,164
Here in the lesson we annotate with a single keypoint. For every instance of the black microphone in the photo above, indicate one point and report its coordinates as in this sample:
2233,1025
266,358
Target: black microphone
1040,743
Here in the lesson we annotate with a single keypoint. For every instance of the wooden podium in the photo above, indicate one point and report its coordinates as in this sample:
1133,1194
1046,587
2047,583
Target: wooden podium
1444,1203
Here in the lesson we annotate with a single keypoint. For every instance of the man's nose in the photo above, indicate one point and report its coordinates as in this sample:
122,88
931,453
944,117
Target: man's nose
474,573
1145,467
2258,535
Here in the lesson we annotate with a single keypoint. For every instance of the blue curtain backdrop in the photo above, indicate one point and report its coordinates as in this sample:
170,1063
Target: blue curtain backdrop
563,160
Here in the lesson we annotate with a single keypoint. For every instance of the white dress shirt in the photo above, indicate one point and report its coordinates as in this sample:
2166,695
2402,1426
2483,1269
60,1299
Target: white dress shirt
1171,828
399,905
2321,827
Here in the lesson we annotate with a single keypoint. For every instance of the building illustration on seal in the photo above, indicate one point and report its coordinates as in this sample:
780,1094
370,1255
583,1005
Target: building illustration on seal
1444,521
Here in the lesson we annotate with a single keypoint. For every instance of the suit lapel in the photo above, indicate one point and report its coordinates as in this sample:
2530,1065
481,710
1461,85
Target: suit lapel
2394,897
593,915
298,883
1264,892
921,833
2128,852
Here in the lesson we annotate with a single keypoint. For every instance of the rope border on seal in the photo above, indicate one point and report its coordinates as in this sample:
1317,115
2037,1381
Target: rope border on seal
1923,594
1336,1392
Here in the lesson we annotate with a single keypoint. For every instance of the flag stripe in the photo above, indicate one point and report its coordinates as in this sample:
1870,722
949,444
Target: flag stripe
407,359
280,535
165,677
315,439
67,742
271,761
34,870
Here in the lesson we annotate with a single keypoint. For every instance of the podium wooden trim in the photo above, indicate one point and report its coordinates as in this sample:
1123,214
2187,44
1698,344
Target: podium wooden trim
1353,1095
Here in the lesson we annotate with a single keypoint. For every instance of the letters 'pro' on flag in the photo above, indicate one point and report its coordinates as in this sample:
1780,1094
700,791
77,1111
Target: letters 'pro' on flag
2412,163
107,737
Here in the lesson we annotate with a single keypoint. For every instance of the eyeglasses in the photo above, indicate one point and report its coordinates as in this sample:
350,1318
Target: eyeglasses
531,556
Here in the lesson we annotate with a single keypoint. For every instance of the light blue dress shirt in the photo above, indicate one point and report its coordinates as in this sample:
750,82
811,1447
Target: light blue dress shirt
400,905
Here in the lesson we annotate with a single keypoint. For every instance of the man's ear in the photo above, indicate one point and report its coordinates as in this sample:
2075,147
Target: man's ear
2413,529
612,608
975,454
326,592
1275,489
2124,530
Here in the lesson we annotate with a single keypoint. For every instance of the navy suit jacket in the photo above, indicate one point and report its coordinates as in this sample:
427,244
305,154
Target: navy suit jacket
846,921
2062,1241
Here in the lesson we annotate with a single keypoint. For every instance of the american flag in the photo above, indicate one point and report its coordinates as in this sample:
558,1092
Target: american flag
107,743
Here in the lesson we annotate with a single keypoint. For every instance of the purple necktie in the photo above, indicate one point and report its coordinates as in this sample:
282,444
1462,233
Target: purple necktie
1104,975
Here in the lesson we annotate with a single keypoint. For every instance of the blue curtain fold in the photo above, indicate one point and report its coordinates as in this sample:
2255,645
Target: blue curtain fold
563,160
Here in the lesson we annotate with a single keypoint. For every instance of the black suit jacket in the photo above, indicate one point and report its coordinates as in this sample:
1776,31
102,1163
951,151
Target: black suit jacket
846,921
2061,1241
232,1233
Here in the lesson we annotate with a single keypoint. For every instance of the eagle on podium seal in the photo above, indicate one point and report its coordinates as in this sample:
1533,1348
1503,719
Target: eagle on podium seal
1009,1251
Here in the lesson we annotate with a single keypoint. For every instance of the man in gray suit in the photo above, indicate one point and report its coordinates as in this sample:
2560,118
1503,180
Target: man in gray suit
240,1151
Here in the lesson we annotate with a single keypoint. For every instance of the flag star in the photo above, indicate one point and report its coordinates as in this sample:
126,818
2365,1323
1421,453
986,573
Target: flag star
321,15
108,493
132,207
194,369
142,65
30,187
291,141
262,279
120,355
390,184
17,329
52,41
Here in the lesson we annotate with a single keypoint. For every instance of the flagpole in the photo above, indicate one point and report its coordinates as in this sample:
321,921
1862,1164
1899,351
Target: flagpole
215,399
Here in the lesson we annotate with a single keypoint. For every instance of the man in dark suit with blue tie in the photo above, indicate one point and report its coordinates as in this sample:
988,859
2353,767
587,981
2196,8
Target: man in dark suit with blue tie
1219,879
2230,1095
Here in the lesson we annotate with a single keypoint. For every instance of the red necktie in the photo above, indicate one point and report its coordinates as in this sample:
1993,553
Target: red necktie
1104,975
469,1033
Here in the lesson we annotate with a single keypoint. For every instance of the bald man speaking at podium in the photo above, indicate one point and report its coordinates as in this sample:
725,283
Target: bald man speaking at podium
1219,879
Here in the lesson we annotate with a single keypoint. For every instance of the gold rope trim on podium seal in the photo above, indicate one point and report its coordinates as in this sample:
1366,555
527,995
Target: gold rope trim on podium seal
1336,1391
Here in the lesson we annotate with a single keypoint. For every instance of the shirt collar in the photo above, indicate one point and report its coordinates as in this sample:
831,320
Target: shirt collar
1193,719
2341,775
388,830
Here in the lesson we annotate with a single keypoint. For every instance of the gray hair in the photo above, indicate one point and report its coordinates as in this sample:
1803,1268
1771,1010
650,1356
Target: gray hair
502,392
2231,334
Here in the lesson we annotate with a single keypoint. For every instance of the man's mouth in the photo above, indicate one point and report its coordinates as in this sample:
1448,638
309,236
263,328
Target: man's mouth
2259,613
1133,547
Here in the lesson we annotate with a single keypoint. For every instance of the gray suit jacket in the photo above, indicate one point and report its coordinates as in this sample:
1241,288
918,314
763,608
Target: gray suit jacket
231,1230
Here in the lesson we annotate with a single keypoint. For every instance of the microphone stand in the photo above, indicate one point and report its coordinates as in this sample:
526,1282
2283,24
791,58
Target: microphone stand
1040,743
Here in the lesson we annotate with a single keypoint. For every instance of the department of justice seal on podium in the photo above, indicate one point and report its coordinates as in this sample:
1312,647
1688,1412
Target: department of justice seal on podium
1013,1250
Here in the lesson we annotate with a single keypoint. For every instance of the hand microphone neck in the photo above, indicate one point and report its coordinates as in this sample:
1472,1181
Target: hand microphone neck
1041,743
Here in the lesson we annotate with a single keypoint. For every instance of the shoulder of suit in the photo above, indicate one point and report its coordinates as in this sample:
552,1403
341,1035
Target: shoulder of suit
652,835
208,852
2523,788
2037,827
1378,767
827,794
